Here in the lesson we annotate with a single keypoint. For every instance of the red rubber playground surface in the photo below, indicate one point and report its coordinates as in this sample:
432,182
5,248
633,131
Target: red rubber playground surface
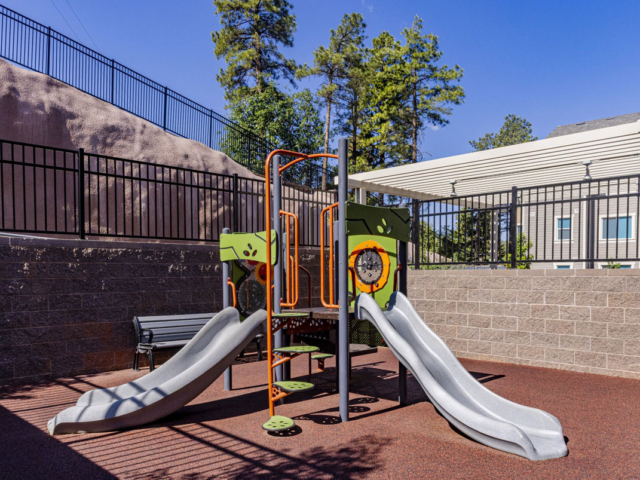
219,435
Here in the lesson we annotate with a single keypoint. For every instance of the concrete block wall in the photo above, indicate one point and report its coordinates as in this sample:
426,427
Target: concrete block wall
66,306
581,320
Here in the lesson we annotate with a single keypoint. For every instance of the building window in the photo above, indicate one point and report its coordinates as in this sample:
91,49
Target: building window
564,229
519,230
622,265
563,267
616,228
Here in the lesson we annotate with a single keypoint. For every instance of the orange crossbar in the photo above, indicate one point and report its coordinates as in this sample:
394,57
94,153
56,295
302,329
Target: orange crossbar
323,227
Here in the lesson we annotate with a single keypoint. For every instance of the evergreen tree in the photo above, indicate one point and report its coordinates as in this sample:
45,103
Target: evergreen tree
431,88
331,65
515,130
251,33
291,120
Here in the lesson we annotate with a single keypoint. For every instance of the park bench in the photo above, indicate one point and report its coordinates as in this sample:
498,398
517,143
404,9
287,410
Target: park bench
170,331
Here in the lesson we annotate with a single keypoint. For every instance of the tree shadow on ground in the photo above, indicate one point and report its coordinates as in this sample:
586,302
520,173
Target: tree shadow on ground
28,452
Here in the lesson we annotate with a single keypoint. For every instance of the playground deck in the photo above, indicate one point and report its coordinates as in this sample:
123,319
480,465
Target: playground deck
219,434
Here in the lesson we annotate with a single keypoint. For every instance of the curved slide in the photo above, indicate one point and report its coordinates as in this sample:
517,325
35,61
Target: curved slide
461,399
181,379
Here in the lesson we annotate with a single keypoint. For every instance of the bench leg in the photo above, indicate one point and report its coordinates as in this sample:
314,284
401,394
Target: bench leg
259,349
151,364
135,360
241,354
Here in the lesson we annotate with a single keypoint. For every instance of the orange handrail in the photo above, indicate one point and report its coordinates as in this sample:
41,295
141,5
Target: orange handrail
323,226
267,205
293,278
233,289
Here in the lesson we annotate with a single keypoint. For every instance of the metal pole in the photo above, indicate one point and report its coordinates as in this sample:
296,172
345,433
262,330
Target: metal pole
113,77
277,268
236,202
402,288
228,374
48,50
81,219
164,121
513,227
416,235
343,289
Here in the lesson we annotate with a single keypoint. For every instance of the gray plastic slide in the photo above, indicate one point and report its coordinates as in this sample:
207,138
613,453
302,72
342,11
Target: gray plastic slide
181,379
461,399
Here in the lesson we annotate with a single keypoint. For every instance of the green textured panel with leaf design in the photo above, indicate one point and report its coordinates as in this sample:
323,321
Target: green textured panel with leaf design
247,246
387,222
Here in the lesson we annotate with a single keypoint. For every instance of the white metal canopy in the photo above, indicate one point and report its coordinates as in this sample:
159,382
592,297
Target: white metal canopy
613,151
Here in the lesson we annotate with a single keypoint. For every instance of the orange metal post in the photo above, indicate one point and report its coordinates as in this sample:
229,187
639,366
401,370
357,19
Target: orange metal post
233,290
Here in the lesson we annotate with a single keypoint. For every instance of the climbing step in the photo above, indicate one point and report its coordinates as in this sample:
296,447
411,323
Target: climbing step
278,423
321,356
290,315
291,386
297,349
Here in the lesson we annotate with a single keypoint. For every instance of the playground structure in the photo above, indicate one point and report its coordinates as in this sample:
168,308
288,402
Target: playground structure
367,252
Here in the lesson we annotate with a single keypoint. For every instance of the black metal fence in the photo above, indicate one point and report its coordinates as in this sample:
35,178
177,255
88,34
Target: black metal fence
50,191
585,224
40,48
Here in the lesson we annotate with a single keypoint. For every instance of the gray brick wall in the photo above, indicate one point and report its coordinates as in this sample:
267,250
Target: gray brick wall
581,320
66,306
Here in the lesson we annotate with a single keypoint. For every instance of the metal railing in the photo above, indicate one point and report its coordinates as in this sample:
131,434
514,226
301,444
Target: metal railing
584,224
52,191
40,48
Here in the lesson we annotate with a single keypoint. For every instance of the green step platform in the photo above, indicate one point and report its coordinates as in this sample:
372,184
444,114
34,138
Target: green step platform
290,315
291,386
321,356
278,423
297,349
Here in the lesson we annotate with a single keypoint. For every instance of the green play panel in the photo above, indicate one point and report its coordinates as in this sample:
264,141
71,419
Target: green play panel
292,386
297,349
290,315
321,356
278,423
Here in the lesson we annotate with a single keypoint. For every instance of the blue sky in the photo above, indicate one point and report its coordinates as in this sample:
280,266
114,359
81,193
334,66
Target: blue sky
553,62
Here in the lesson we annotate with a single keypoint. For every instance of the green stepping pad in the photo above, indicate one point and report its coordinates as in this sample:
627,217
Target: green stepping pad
297,349
278,424
321,356
292,386
290,315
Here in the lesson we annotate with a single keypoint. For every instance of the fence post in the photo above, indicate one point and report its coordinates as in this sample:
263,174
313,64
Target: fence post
48,49
236,202
513,227
210,128
417,248
113,77
164,121
81,219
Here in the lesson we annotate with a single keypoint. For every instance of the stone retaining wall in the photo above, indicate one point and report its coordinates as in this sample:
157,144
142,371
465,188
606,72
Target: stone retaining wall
66,306
581,320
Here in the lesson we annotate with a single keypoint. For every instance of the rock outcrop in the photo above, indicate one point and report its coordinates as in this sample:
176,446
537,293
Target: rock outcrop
35,108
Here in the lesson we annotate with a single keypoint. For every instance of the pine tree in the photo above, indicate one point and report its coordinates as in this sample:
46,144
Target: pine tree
331,64
432,89
515,130
251,33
